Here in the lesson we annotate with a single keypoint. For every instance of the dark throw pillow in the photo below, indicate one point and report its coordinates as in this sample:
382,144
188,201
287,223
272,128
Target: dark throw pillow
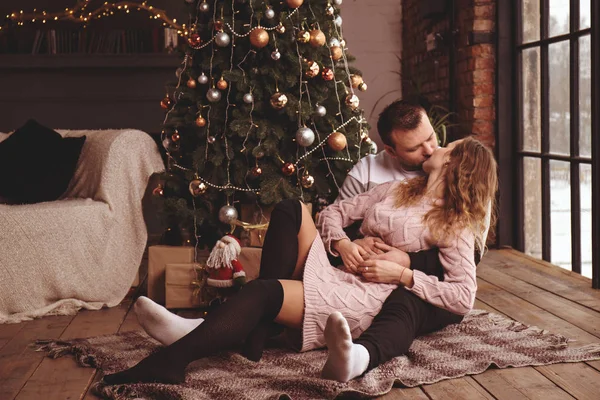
37,164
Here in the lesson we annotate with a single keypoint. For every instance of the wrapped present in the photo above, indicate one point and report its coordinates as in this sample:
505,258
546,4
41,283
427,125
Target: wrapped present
254,215
158,258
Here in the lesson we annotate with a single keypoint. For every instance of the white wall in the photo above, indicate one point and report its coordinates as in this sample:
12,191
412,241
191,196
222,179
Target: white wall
373,33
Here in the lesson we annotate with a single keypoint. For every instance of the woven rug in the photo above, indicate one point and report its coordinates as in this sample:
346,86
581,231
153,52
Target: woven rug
483,339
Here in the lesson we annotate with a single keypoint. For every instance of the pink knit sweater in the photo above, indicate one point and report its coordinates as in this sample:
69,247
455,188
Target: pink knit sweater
328,289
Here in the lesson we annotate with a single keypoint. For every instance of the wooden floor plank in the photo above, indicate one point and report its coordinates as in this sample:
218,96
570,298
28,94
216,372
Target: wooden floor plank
520,383
8,332
405,394
18,358
580,316
457,389
579,379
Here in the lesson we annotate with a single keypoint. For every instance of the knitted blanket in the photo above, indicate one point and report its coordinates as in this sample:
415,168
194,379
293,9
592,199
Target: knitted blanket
84,249
481,340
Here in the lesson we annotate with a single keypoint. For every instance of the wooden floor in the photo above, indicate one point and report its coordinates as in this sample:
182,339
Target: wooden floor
510,283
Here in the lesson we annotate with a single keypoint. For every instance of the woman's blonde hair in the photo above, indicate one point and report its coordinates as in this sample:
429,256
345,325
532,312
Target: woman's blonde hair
471,182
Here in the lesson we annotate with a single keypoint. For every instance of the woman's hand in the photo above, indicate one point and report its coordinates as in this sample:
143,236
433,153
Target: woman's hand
351,253
385,271
390,253
368,244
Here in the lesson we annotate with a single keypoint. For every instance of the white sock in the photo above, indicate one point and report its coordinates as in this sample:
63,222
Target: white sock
160,323
345,359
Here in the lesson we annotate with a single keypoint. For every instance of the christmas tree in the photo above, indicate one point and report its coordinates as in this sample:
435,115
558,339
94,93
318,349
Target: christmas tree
265,108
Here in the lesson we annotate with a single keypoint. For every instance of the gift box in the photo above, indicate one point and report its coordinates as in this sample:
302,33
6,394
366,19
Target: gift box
254,215
158,258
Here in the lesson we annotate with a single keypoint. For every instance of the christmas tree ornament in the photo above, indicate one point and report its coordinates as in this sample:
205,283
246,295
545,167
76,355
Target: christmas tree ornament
355,80
336,53
222,39
256,171
169,145
278,100
166,102
222,84
280,29
368,141
337,141
343,43
303,36
269,13
337,2
364,135
362,87
200,121
317,38
307,181
211,139
191,83
320,110
312,69
329,10
223,267
228,214
158,191
203,79
334,42
259,38
373,148
288,169
276,55
294,3
218,25
194,40
204,7
327,74
197,187
213,95
338,21
305,136
352,101
175,136
248,98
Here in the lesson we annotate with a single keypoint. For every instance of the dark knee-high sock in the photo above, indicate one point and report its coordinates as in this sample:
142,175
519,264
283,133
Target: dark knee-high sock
222,329
278,261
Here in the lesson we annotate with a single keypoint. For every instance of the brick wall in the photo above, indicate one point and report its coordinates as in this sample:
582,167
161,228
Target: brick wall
428,72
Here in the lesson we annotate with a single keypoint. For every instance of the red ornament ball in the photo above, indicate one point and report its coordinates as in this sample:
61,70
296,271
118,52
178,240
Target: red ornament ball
288,169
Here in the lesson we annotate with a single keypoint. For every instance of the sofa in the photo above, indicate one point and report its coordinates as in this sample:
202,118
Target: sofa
82,250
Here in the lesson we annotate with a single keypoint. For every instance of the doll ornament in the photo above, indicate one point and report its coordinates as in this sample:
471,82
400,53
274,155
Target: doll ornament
224,269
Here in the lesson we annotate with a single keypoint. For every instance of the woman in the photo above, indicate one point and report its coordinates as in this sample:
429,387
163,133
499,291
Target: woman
408,215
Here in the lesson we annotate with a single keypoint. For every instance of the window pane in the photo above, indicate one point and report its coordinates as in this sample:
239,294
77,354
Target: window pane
558,23
532,190
559,113
585,10
531,112
585,97
530,14
585,179
560,214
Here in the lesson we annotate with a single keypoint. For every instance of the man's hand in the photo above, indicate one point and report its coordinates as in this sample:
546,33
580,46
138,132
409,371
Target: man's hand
383,271
351,253
390,253
368,245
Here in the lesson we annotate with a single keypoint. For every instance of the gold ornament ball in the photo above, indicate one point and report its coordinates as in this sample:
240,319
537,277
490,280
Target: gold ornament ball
312,69
303,37
194,40
362,87
256,171
166,102
337,141
191,83
175,136
280,29
259,38
200,121
197,187
222,84
278,100
317,38
158,191
294,3
327,74
356,80
307,181
336,52
288,169
352,101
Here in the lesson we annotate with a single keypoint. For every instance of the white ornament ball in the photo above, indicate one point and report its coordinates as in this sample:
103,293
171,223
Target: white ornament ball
203,79
334,42
321,111
213,95
276,55
305,136
222,39
204,7
373,148
338,21
248,98
337,2
228,214
269,13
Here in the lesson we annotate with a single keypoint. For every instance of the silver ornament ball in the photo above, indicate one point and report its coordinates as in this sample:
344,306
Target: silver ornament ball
222,39
334,42
213,95
337,2
305,136
373,148
228,214
204,7
275,55
338,21
269,13
248,98
203,79
321,111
